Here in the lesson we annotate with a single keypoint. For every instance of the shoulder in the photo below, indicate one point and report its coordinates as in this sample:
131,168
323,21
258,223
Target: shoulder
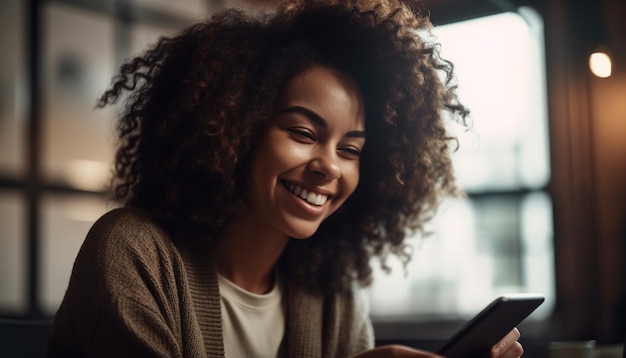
125,281
127,228
123,241
125,221
125,254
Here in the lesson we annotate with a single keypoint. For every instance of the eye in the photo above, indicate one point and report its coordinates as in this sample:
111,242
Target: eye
350,152
304,135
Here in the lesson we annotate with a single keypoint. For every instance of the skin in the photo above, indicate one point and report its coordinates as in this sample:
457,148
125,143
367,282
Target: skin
312,143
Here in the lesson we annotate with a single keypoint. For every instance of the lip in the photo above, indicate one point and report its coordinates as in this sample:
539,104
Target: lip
309,208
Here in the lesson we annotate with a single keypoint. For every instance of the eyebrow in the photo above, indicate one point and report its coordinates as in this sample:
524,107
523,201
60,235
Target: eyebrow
318,120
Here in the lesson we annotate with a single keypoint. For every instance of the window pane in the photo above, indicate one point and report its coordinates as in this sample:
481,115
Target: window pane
13,253
500,239
12,91
78,65
65,221
499,64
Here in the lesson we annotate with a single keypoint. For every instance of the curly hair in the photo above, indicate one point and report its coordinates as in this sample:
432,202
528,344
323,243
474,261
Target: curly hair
198,102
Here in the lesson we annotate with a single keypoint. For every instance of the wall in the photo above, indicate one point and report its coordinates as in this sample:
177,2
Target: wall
588,124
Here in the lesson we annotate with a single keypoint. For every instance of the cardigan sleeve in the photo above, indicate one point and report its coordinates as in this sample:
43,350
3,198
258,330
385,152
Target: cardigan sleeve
122,299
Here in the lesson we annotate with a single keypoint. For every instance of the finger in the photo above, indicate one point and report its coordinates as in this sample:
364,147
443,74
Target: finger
515,350
514,335
502,347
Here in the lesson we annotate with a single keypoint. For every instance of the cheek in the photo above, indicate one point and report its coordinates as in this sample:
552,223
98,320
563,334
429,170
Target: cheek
273,156
351,176
285,153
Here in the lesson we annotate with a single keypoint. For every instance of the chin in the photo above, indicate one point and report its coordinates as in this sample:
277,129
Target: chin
300,235
303,233
301,228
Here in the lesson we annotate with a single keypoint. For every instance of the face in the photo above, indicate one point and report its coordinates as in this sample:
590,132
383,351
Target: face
307,162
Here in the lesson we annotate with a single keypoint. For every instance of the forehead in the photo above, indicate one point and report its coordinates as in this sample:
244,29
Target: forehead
328,92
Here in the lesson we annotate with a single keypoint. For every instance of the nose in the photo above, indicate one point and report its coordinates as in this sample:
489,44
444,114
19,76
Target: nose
326,164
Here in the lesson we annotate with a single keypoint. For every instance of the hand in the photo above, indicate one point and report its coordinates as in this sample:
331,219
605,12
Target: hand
508,347
395,351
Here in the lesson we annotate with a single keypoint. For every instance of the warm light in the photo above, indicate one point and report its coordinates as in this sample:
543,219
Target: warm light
600,64
87,174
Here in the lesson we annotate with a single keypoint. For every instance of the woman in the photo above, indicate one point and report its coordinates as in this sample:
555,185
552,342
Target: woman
262,164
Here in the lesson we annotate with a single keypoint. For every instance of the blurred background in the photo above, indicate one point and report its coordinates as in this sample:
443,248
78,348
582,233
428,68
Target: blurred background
544,165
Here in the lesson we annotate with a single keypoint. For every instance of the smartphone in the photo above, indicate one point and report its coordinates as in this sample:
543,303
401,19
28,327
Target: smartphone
476,338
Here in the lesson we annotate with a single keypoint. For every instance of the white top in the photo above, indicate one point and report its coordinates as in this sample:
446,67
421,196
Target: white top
253,324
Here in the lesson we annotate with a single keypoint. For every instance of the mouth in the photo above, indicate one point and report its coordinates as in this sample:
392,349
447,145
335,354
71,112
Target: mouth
307,195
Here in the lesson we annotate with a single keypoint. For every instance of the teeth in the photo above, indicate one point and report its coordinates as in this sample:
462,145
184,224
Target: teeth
309,196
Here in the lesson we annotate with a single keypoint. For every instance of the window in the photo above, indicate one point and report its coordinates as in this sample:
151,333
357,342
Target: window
50,199
498,239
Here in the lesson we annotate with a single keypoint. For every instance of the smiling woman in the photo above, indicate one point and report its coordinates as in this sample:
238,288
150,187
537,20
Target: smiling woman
262,163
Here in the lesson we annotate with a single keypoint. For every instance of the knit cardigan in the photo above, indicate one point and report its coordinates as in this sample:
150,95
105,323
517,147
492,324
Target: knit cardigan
134,293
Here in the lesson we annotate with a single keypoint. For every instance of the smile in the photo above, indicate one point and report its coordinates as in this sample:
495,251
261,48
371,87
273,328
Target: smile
305,194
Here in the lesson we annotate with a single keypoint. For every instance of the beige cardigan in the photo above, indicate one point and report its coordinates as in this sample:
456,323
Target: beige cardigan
134,293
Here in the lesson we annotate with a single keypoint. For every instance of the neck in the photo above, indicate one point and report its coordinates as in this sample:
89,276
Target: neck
247,257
